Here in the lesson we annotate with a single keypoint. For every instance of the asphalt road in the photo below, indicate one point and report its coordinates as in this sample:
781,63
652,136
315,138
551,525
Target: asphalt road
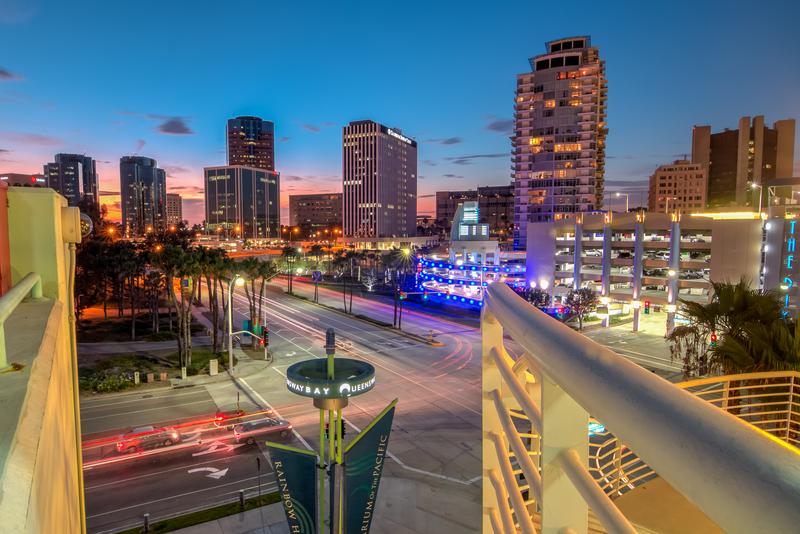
435,447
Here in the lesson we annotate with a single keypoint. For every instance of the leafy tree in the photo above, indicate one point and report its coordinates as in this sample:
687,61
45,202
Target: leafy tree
539,297
581,302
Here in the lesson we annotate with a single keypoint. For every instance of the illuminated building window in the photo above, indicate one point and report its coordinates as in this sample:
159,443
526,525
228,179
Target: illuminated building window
549,103
536,140
567,147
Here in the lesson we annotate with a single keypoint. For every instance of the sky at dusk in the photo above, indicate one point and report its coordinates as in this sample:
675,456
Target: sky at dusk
160,79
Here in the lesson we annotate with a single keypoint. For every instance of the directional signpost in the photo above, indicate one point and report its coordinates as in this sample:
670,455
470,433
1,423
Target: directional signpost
330,383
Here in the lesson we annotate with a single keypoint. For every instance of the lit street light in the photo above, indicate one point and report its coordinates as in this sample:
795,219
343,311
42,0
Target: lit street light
239,282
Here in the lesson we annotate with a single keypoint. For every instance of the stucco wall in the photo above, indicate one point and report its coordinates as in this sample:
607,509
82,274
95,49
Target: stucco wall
41,484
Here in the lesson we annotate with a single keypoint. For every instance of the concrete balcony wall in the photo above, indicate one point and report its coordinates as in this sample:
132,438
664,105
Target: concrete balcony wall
41,488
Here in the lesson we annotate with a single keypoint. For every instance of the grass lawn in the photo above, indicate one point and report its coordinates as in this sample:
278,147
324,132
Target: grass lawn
210,514
115,372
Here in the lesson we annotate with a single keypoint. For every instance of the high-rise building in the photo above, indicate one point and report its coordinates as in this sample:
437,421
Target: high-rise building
753,153
251,143
242,202
316,211
174,209
74,176
379,178
496,206
559,136
680,185
143,195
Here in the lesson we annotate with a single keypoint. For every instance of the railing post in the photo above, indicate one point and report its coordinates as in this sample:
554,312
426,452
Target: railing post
564,426
491,337
3,357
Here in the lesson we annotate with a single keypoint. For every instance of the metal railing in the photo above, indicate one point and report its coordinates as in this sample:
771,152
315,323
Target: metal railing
31,283
536,412
769,401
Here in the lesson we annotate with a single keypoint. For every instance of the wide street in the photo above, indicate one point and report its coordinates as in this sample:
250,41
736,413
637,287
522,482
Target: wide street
434,475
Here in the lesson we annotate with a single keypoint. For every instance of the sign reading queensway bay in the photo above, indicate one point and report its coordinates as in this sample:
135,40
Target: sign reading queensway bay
310,378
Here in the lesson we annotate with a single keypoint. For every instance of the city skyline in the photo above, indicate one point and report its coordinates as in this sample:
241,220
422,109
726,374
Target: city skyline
659,89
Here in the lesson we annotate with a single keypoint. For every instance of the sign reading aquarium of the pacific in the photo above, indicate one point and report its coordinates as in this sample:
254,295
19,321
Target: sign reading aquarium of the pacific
363,466
351,377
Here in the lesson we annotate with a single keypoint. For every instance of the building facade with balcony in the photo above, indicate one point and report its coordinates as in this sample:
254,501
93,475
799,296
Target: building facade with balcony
379,182
242,202
679,186
559,135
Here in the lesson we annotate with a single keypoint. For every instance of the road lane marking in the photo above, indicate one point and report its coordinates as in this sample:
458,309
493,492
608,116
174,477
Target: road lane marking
179,495
213,472
153,474
268,405
266,488
117,414
217,446
86,406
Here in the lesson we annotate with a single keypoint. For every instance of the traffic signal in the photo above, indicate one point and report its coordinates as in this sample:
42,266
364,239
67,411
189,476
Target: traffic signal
266,335
261,342
647,307
403,295
713,340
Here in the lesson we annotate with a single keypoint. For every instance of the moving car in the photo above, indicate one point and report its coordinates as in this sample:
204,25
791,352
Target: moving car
147,437
249,431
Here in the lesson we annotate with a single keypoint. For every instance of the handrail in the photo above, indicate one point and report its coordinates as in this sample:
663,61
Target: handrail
31,283
742,479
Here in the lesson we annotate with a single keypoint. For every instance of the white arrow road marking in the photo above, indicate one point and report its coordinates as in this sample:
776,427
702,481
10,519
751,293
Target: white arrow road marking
219,474
214,473
218,446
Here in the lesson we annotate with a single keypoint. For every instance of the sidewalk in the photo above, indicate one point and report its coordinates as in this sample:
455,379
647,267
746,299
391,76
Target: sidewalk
265,520
120,347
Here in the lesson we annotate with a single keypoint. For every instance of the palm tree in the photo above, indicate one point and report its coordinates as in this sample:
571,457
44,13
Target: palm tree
183,264
289,255
749,324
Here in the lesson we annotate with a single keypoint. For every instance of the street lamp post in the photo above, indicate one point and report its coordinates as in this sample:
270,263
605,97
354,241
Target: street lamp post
239,282
626,195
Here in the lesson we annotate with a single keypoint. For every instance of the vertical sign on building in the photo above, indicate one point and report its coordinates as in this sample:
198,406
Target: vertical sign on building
788,279
363,466
295,473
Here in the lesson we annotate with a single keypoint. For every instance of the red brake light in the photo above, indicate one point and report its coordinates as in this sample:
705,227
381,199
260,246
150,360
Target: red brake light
220,418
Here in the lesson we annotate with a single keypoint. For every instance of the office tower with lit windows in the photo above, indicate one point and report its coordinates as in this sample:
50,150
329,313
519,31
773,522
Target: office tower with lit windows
74,176
559,135
751,154
174,209
143,195
317,211
379,179
679,186
251,143
242,202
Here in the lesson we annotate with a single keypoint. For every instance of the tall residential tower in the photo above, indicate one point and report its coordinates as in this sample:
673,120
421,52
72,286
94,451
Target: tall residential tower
559,135
251,143
143,195
379,179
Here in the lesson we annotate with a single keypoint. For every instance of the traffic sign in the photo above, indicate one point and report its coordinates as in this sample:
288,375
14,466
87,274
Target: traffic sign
316,276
